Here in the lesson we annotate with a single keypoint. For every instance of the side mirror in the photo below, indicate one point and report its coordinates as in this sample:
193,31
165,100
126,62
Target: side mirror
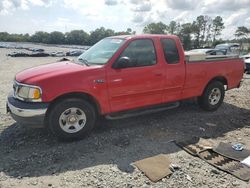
122,62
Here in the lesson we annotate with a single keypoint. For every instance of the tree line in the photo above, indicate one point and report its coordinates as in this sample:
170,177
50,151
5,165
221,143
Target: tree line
200,33
204,31
77,37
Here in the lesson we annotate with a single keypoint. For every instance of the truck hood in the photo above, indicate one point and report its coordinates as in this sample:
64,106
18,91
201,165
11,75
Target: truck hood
35,74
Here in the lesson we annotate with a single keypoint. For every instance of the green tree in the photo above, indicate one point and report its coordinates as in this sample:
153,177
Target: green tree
206,24
198,28
79,37
40,37
155,28
217,27
56,37
127,32
196,32
242,34
4,36
26,37
208,32
173,28
202,30
99,34
185,35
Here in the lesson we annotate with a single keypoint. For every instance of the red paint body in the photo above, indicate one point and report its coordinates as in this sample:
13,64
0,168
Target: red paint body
131,88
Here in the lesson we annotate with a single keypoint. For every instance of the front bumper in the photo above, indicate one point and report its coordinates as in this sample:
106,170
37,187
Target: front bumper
27,113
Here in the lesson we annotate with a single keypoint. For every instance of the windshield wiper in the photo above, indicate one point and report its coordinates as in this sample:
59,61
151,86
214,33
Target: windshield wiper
97,63
85,61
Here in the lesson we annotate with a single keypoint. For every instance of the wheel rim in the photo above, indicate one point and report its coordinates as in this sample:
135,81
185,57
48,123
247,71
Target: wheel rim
72,120
214,96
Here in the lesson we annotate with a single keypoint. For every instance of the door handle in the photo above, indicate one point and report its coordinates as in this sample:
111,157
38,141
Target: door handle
158,74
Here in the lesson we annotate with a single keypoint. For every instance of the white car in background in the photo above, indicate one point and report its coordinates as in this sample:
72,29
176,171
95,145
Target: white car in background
57,54
230,48
245,57
247,63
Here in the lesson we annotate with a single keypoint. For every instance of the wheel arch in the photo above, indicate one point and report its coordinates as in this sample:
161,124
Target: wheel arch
221,79
85,96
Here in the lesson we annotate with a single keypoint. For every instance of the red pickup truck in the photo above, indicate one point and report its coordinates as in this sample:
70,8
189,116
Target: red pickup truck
118,77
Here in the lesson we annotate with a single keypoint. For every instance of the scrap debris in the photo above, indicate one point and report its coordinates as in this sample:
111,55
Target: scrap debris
155,168
226,164
223,157
194,145
246,161
227,150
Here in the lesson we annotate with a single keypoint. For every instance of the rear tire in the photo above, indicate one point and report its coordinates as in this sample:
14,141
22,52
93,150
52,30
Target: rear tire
212,96
72,119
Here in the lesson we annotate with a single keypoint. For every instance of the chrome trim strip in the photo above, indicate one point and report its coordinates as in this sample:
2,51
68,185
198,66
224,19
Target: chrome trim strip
26,112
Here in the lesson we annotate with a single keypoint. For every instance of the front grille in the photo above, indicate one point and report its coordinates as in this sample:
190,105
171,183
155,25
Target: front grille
15,88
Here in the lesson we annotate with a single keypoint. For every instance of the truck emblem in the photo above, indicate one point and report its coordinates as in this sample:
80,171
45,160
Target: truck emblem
99,81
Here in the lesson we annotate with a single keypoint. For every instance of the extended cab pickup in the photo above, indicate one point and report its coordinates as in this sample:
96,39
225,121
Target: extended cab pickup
119,76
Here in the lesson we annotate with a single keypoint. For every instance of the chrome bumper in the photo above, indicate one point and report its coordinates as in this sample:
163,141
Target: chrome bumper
27,113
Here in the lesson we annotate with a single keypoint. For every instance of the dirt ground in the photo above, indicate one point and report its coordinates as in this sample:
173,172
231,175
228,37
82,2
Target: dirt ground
34,158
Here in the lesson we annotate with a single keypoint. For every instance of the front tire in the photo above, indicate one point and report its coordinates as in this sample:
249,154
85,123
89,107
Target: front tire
71,119
212,97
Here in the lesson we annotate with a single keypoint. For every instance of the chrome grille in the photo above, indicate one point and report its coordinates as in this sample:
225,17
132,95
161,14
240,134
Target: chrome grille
15,88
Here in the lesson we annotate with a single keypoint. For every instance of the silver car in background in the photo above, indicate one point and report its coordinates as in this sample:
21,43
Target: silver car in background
229,48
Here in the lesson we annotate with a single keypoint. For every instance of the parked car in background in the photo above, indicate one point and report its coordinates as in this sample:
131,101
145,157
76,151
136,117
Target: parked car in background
230,48
18,54
245,57
36,49
247,62
74,52
38,54
19,47
247,66
57,54
209,51
216,52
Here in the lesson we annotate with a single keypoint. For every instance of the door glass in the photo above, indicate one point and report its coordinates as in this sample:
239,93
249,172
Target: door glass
140,53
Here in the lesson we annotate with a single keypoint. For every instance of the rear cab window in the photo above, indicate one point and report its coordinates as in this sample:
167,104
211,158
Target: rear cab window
170,50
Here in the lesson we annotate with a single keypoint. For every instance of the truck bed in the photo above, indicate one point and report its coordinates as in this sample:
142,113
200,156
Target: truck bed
200,72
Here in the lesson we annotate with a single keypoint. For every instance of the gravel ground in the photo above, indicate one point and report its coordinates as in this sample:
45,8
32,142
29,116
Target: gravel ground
34,158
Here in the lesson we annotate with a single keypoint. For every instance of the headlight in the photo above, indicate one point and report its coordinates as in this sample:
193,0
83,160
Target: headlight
27,92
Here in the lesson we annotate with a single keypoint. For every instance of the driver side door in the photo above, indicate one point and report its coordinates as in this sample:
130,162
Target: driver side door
140,82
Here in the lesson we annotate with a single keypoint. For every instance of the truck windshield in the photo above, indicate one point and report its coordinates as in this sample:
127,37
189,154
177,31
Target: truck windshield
101,52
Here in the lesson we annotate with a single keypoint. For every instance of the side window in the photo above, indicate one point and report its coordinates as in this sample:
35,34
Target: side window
140,52
170,51
219,53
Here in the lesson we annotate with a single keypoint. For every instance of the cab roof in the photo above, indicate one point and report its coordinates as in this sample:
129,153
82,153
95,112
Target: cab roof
142,36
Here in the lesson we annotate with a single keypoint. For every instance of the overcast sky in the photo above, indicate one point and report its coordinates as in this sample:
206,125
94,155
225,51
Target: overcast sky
28,16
